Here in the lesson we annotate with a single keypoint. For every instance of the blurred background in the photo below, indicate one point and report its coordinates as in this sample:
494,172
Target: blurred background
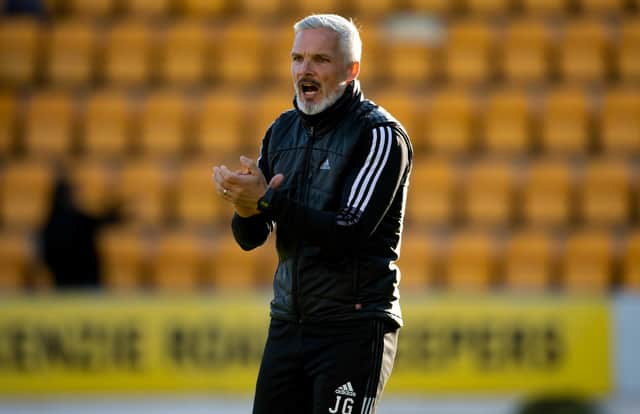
521,251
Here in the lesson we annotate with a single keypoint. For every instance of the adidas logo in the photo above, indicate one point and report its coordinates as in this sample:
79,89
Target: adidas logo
346,389
325,165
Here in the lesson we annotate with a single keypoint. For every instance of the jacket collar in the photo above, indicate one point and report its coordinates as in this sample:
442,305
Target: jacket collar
327,119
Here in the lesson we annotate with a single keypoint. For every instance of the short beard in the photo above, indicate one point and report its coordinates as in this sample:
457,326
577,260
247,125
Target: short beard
313,109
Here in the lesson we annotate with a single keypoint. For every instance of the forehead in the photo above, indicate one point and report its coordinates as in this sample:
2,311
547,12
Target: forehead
316,41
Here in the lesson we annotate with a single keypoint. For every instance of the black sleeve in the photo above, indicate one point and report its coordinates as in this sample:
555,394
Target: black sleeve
372,186
251,232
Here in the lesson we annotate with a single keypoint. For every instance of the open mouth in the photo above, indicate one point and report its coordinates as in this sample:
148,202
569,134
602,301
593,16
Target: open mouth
309,88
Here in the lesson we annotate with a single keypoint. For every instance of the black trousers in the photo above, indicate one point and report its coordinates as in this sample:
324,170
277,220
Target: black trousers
335,368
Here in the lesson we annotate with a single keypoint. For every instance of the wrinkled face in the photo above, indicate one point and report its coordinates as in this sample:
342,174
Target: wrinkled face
320,73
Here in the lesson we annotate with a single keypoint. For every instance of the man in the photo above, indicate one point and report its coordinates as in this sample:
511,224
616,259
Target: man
332,180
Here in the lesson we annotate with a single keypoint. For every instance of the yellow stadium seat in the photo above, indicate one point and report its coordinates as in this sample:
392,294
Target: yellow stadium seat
605,193
547,193
620,121
277,65
19,50
241,53
529,261
164,119
261,8
25,194
15,256
601,7
544,7
586,262
125,258
488,193
197,204
631,262
221,117
432,201
268,105
305,8
231,267
91,8
376,65
49,124
145,187
71,53
418,261
203,8
402,105
438,7
525,51
450,121
507,123
408,62
128,54
565,122
488,7
107,124
583,51
147,8
8,123
628,53
469,262
93,183
185,52
469,52
372,9
178,262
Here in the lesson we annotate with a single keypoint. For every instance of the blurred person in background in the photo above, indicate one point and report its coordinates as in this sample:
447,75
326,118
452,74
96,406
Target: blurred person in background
332,180
67,242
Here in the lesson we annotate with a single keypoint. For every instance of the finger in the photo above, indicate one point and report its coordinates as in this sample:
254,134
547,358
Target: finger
276,181
250,165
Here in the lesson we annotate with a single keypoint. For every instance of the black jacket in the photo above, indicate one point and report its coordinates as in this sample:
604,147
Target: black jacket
338,214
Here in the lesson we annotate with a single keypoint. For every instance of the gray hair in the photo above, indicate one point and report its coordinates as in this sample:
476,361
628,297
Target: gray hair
348,36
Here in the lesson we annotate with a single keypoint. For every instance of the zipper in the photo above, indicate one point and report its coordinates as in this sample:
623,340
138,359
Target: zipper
305,179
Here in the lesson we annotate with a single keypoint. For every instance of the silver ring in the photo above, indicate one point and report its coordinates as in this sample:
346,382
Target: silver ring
224,192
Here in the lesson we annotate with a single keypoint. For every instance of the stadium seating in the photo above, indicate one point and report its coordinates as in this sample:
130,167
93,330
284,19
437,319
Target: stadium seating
7,123
164,118
631,262
20,43
529,261
71,53
108,121
25,194
524,117
564,123
586,262
525,52
129,55
433,205
488,197
470,262
125,256
507,123
49,125
177,262
185,54
15,256
547,199
450,122
620,121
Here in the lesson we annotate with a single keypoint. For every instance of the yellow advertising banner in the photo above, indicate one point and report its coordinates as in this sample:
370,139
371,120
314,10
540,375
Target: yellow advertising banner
101,344
502,344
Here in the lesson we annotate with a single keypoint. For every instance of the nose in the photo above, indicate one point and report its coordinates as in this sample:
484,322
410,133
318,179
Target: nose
305,67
